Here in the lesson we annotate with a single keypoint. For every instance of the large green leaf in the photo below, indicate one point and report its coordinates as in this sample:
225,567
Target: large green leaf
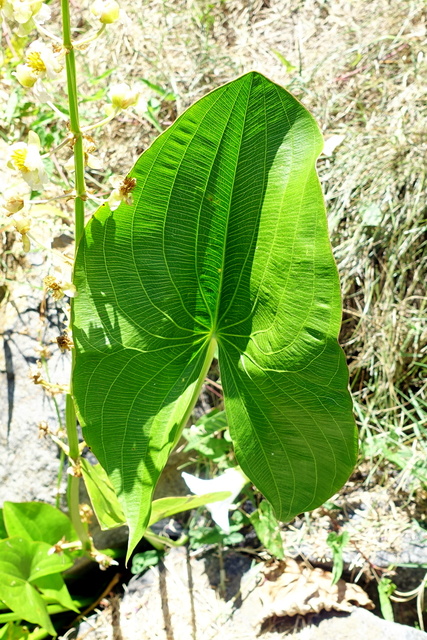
225,246
38,521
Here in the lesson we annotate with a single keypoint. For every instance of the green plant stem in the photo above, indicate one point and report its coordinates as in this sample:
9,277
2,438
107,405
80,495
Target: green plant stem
91,38
80,188
73,499
198,387
70,65
61,451
70,420
102,122
160,542
47,33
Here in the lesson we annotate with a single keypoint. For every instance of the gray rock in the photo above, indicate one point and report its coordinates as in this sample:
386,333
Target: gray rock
29,465
359,624
176,600
379,527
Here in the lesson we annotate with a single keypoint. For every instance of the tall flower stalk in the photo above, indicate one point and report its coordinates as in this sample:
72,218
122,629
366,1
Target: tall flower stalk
79,204
43,61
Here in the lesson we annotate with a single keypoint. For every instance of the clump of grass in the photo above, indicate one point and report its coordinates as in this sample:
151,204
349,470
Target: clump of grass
375,189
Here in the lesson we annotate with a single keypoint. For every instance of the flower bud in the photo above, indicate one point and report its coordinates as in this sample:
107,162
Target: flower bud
107,11
23,225
122,96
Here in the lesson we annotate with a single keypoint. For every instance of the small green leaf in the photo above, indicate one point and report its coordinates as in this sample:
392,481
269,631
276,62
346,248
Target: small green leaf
214,535
232,538
54,589
11,631
102,496
22,598
385,589
141,561
213,421
267,529
23,562
288,65
337,542
38,522
165,94
166,507
27,560
203,437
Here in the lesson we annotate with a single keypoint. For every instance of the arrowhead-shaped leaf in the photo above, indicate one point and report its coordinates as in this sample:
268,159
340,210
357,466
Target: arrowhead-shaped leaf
37,521
225,245
23,564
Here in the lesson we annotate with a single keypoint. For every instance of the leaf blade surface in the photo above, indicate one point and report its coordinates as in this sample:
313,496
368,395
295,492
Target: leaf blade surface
226,243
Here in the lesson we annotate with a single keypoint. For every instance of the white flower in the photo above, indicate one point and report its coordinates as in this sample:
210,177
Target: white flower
43,57
27,160
43,14
59,281
231,480
122,96
26,76
107,11
24,11
40,61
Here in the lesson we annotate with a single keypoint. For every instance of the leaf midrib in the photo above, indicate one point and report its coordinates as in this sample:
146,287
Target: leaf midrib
221,277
